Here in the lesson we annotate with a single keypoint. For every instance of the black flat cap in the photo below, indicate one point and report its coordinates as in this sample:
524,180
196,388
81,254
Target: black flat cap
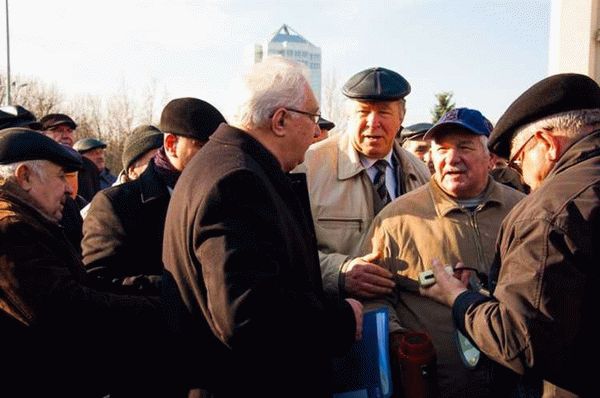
20,144
142,139
415,131
555,94
56,119
190,117
376,84
87,144
325,124
17,116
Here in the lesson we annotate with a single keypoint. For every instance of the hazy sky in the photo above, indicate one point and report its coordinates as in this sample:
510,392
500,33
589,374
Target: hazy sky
485,51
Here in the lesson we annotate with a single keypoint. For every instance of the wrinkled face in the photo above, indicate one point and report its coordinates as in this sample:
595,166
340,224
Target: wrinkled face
418,148
62,134
528,158
96,155
461,163
301,130
49,191
185,149
373,126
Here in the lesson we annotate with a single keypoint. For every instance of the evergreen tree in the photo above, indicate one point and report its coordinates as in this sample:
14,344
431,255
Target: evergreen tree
444,104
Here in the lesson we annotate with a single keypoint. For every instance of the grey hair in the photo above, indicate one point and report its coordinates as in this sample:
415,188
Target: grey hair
484,142
7,171
568,123
274,83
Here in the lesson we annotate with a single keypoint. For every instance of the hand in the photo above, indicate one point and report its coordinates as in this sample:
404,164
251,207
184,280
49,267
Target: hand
362,278
446,287
357,307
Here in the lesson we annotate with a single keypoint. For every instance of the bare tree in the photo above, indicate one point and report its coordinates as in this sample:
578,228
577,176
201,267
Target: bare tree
332,104
35,96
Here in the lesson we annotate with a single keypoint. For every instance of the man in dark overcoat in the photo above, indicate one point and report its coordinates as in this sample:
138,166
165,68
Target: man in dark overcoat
59,337
242,273
123,229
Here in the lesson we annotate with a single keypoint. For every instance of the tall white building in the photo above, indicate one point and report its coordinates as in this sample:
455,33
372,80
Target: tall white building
288,43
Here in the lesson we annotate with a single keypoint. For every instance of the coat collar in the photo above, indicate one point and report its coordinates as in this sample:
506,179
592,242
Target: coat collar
151,185
445,204
349,163
14,194
583,149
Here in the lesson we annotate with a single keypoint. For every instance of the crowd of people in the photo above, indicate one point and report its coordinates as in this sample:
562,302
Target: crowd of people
236,257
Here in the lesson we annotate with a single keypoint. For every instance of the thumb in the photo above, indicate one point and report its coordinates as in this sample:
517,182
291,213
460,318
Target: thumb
372,257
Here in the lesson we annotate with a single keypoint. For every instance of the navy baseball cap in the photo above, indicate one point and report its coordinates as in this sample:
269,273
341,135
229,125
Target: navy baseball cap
465,118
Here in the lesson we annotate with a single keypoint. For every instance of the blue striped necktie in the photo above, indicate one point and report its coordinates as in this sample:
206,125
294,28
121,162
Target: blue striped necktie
379,182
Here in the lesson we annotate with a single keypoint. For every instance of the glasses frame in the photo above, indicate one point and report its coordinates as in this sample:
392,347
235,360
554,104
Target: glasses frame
314,116
515,162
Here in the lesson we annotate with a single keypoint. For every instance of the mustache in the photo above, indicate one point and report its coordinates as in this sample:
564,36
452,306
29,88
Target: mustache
459,169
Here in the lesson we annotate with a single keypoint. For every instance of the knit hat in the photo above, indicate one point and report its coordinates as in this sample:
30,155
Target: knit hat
142,139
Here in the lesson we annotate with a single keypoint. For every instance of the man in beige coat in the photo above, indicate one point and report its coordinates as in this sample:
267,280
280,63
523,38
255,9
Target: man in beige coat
353,175
455,217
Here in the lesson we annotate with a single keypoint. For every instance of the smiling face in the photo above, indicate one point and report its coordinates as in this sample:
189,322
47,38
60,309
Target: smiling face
373,126
461,163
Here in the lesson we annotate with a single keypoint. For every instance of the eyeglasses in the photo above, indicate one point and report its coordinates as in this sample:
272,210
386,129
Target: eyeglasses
314,116
515,162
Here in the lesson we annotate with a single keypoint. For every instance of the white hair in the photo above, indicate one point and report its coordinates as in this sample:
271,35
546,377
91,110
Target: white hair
567,124
273,83
7,171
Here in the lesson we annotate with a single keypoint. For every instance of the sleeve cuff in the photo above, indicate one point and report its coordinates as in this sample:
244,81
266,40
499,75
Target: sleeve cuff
462,303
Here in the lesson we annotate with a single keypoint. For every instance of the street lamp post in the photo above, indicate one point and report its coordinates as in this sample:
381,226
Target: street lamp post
7,57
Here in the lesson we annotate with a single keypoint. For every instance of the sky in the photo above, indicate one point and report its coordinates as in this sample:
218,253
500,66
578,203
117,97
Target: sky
486,52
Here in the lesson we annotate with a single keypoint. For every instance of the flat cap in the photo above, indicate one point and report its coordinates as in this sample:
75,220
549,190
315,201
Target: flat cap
87,144
142,139
190,117
415,131
468,119
17,116
20,144
56,119
325,124
376,84
555,94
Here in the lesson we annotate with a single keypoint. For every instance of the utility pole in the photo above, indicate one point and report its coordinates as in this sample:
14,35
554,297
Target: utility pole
8,82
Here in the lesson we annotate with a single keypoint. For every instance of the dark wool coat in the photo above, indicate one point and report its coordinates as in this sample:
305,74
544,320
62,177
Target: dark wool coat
59,337
243,280
123,234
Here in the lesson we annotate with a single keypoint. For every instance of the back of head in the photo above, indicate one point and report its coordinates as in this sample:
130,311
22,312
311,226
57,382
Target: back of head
142,139
17,116
276,82
190,117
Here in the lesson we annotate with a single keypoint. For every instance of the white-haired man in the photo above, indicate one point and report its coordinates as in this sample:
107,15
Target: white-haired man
239,250
541,318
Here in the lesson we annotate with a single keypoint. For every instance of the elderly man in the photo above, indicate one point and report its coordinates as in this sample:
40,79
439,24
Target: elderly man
139,148
411,139
94,150
240,253
46,311
61,128
123,229
353,175
540,320
455,217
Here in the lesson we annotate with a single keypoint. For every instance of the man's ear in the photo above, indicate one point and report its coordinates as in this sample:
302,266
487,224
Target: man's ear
278,122
23,175
552,144
170,144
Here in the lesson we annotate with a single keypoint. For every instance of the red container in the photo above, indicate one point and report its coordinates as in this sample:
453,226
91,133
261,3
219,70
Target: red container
417,365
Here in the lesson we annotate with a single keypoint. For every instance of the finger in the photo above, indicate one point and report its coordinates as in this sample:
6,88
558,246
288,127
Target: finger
377,280
372,257
378,270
